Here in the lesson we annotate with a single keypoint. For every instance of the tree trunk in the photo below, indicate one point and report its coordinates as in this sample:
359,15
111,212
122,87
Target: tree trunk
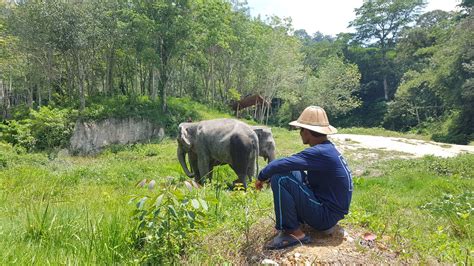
50,73
80,80
153,85
164,56
6,99
150,80
70,80
162,88
385,87
384,69
38,94
110,72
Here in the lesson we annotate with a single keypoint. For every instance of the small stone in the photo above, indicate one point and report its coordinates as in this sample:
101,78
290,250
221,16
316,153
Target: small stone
269,262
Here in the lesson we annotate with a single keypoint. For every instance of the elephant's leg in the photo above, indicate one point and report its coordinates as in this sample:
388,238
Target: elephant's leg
203,165
211,167
240,152
193,162
251,171
240,168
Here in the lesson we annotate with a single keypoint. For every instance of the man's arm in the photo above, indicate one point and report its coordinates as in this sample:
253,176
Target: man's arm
305,160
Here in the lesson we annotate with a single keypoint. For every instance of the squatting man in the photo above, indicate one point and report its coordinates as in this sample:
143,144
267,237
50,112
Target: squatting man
313,186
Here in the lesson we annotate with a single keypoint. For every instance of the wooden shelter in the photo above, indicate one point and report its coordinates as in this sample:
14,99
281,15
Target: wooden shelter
261,105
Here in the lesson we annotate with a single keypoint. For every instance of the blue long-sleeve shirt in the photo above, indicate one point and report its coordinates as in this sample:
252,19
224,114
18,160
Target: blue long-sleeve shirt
327,174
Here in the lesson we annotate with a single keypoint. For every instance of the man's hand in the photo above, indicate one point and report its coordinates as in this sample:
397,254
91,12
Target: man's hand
259,184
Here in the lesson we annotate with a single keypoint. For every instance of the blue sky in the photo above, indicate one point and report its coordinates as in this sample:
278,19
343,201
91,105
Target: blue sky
327,16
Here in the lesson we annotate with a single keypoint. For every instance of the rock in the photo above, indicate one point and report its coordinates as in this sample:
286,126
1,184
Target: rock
269,262
92,137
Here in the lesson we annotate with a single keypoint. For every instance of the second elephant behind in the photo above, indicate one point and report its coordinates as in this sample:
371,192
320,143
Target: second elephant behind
266,143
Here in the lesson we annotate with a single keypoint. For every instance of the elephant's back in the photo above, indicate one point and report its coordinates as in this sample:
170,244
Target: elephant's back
226,136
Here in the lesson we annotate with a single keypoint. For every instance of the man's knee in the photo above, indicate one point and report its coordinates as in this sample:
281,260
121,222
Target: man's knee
276,179
280,179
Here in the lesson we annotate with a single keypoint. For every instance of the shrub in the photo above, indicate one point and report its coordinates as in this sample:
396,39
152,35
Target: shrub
46,129
18,133
51,127
166,222
453,130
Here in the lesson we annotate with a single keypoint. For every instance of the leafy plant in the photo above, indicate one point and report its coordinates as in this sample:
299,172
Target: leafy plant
461,205
167,220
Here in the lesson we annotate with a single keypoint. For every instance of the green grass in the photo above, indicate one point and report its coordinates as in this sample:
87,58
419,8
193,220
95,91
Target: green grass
76,210
423,206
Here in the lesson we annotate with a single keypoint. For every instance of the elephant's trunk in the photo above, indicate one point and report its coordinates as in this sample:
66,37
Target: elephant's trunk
182,161
271,157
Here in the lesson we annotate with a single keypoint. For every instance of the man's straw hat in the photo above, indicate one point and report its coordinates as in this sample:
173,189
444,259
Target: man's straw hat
314,118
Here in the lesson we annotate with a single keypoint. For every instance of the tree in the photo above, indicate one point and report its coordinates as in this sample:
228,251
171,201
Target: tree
334,87
437,85
172,18
379,22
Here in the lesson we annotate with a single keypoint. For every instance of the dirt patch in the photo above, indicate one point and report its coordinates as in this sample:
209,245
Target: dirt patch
346,245
412,147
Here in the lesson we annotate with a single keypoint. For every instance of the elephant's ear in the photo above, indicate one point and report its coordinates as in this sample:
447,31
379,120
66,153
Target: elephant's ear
183,136
258,131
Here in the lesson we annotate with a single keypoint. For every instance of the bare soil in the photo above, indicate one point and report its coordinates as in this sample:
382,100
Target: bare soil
411,147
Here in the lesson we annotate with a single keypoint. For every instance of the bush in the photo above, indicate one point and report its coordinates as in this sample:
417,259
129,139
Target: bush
368,115
46,129
167,221
52,128
18,133
398,116
453,130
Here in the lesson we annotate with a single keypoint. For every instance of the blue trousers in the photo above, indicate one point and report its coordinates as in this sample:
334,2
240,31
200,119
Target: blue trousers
295,203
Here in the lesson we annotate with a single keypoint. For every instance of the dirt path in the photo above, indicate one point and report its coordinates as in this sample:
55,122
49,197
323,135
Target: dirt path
418,148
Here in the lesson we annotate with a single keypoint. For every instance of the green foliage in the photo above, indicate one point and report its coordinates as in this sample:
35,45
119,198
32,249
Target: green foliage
436,88
234,94
369,114
423,206
51,128
47,128
382,20
460,204
179,110
18,133
452,130
286,113
167,221
334,88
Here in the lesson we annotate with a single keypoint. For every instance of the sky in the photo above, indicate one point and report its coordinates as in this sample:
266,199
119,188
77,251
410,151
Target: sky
330,17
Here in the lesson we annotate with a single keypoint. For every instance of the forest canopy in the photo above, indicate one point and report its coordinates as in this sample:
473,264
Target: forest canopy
402,69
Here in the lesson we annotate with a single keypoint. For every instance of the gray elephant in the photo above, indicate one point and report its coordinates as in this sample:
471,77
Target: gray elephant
266,143
219,141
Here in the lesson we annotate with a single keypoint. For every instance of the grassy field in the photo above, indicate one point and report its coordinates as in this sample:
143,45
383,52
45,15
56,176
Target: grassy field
89,210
